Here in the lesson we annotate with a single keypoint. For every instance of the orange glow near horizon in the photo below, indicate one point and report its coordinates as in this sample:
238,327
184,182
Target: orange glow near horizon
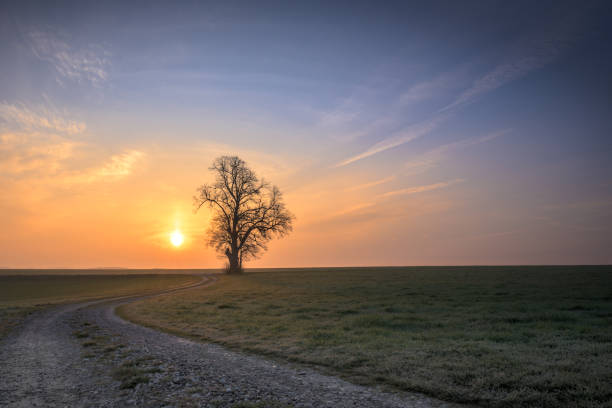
353,216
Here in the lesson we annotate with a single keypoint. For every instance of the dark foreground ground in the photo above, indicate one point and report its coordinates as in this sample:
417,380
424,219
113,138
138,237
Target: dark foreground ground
83,355
492,336
495,336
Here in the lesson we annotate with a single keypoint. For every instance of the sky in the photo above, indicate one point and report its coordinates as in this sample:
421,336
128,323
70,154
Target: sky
409,133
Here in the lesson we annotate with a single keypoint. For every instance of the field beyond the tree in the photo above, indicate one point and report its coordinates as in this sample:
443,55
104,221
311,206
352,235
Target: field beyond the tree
497,336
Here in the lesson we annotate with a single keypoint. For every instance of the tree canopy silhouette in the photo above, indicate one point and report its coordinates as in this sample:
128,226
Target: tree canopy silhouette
247,212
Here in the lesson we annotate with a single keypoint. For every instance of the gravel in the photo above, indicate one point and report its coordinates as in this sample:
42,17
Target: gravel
84,355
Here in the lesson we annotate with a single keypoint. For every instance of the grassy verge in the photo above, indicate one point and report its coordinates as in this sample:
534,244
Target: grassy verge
21,295
10,316
504,336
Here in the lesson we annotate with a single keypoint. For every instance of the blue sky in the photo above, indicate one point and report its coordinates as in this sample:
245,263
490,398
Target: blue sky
404,133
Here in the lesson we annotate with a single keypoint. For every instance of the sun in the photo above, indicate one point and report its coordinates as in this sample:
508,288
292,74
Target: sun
176,238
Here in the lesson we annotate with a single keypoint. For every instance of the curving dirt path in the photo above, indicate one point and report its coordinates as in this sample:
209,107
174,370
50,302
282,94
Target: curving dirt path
84,355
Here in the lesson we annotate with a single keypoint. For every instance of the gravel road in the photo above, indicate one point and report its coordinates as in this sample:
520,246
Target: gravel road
84,355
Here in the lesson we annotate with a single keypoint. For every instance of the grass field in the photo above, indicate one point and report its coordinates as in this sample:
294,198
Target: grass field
496,336
22,294
104,271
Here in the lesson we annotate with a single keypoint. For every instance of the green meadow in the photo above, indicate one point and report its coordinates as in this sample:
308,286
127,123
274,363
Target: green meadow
23,292
496,336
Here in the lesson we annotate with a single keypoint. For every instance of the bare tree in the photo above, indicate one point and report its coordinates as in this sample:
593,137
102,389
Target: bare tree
247,212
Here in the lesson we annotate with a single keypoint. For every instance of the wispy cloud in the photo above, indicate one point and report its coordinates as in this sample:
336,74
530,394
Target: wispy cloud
381,207
119,165
501,75
36,142
411,133
35,153
352,209
421,189
380,105
494,79
523,60
536,50
84,64
43,119
352,116
52,157
339,116
434,88
40,143
114,168
433,157
489,82
370,184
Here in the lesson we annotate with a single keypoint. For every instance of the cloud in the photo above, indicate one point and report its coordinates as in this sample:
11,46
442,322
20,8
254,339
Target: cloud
85,64
499,76
28,119
352,117
48,157
349,216
370,184
421,189
434,88
487,83
114,168
352,209
542,48
338,117
41,154
411,133
38,144
119,165
534,52
433,157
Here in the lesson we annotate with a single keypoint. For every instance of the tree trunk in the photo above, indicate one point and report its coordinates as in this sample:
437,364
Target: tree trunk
234,263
